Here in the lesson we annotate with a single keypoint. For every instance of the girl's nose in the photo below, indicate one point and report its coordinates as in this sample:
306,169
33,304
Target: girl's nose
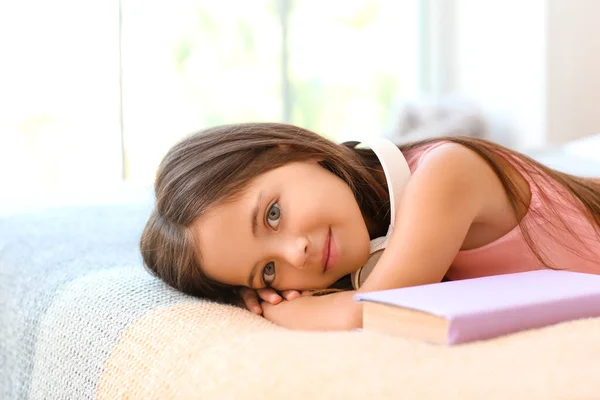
295,251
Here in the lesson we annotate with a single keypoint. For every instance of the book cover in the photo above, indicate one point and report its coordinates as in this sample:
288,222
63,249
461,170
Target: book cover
481,308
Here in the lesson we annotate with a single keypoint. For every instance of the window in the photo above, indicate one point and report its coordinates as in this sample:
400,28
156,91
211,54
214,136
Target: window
98,91
338,68
59,93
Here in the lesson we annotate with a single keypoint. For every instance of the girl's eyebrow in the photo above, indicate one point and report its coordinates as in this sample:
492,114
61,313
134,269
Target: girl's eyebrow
254,215
254,223
252,275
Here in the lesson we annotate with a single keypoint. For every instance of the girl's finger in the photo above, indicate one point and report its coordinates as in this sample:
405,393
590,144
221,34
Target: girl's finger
290,294
251,300
269,295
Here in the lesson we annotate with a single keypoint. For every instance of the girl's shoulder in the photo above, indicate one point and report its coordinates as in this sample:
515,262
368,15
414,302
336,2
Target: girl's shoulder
475,177
517,168
415,156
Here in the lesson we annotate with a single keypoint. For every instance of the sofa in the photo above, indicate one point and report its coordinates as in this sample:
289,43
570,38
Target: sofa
80,318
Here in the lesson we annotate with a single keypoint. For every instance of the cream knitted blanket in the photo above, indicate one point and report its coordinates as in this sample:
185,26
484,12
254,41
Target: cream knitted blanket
80,319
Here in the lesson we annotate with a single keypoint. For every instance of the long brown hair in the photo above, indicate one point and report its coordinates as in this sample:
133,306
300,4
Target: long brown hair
215,165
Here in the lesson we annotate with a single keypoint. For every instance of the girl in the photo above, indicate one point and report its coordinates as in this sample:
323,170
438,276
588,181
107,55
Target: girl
273,211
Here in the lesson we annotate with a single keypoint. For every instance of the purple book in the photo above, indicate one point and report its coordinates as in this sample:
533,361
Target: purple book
474,309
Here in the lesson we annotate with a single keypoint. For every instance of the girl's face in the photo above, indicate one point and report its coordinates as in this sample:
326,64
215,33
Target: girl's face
295,227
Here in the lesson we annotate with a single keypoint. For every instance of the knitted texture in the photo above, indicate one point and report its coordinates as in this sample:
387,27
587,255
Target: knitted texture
80,318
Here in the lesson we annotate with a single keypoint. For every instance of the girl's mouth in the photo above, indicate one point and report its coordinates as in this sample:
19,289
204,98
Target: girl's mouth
329,253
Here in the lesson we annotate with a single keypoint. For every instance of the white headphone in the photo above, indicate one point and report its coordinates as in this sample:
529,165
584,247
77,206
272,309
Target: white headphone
397,174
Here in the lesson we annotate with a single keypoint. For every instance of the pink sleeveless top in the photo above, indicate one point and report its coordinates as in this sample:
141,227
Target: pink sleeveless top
572,246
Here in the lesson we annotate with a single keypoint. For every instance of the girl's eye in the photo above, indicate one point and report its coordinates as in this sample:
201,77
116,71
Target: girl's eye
269,273
273,216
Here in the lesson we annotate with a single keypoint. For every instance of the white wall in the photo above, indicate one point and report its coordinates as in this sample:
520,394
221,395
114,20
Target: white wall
533,66
573,69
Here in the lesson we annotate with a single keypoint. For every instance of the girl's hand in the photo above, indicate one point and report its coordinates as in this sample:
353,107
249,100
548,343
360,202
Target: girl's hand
336,311
251,297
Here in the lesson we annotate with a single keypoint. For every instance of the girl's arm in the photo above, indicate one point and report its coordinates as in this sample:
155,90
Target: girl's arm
452,188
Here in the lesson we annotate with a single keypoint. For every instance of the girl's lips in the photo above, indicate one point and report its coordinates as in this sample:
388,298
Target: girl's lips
329,252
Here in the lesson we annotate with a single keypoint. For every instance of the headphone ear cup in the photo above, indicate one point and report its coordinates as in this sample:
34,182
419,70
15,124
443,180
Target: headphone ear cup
377,246
366,270
379,243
